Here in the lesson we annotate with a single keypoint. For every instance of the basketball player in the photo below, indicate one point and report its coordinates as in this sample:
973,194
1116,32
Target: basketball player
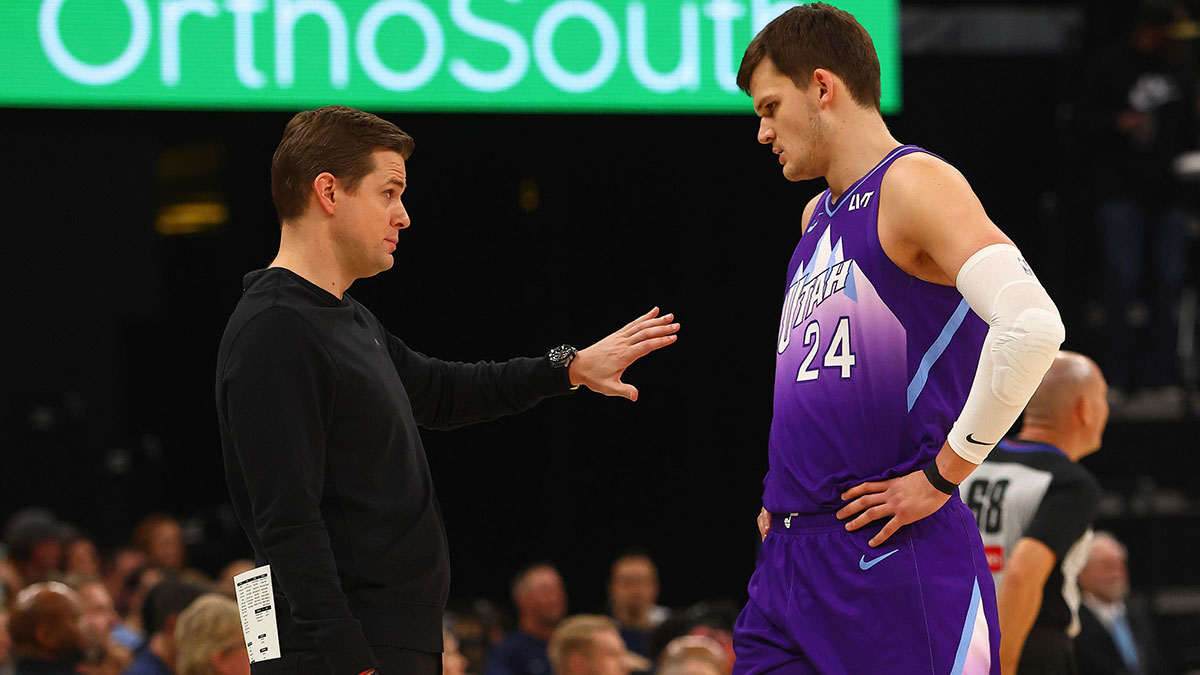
889,389
319,405
1034,506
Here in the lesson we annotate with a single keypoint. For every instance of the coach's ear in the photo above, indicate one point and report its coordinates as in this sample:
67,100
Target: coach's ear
323,190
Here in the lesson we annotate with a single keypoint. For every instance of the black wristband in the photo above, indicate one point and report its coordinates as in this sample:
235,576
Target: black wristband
938,481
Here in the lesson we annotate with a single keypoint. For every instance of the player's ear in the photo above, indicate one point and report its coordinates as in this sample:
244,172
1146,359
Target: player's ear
323,189
823,80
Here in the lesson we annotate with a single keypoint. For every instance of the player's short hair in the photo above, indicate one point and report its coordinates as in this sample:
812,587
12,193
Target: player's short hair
813,36
333,139
575,635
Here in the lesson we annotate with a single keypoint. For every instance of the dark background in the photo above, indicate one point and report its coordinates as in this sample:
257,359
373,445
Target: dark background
110,329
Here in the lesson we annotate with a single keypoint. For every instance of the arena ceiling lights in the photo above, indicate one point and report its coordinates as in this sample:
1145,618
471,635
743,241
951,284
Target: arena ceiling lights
670,56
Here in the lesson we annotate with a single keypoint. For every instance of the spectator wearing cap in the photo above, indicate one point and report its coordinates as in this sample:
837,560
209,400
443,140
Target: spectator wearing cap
209,640
47,631
160,613
34,538
589,644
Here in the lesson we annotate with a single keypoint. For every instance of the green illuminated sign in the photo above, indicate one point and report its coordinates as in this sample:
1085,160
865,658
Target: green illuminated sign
438,55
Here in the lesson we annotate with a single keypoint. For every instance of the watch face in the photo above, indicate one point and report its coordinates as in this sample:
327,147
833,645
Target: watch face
561,356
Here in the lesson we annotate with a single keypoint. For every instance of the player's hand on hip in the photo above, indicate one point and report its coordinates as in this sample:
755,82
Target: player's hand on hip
906,499
764,523
601,366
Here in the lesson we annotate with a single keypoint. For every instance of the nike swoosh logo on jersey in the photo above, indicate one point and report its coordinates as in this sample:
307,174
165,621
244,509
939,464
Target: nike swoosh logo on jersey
972,440
864,564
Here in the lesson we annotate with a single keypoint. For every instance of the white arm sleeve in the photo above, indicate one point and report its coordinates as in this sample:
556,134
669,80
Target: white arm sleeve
1024,334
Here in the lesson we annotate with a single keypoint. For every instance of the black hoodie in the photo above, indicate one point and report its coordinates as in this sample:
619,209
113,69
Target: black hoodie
318,408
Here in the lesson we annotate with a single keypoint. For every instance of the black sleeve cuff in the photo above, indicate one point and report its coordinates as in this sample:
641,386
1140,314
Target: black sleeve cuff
346,652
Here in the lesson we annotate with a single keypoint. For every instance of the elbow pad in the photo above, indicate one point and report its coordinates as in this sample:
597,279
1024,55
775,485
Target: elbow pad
1024,334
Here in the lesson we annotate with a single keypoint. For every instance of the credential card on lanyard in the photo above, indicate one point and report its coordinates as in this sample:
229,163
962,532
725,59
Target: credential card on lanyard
256,604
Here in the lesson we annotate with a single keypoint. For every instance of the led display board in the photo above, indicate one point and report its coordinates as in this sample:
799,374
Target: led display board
671,56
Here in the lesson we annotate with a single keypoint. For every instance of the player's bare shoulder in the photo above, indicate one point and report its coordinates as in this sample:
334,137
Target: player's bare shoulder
809,209
930,219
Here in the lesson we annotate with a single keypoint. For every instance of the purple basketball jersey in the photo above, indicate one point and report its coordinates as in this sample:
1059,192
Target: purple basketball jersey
873,365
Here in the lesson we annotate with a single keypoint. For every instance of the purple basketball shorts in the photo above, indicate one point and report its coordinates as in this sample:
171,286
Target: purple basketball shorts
823,601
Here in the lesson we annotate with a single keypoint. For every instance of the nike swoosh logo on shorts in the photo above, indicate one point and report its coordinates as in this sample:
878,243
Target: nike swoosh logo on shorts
972,440
863,564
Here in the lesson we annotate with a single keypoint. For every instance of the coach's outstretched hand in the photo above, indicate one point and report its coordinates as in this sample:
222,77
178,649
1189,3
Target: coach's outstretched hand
906,499
600,366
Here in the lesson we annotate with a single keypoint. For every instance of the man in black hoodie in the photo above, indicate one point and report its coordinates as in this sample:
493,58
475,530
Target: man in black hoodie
319,406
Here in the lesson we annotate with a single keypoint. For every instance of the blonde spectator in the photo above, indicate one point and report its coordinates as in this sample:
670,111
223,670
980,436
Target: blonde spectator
693,655
208,638
590,644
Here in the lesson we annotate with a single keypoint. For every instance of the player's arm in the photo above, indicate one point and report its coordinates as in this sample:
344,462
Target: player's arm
933,226
277,397
446,394
1019,597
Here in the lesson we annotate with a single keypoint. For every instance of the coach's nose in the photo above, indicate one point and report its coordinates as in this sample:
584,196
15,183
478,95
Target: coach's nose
401,220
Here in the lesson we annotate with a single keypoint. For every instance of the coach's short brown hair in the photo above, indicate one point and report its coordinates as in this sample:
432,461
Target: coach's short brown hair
813,36
336,139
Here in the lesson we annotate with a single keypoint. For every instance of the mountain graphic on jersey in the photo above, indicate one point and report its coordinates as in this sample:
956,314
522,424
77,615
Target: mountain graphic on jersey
837,376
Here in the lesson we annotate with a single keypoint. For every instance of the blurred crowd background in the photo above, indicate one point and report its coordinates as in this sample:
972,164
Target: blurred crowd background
1075,121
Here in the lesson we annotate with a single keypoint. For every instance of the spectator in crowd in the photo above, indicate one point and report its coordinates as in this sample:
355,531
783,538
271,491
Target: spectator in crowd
10,578
47,631
453,662
209,640
541,602
1138,113
633,596
1116,636
712,620
104,656
589,644
225,579
160,613
118,565
80,556
130,632
34,539
99,615
160,538
477,626
1034,505
692,655
5,642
